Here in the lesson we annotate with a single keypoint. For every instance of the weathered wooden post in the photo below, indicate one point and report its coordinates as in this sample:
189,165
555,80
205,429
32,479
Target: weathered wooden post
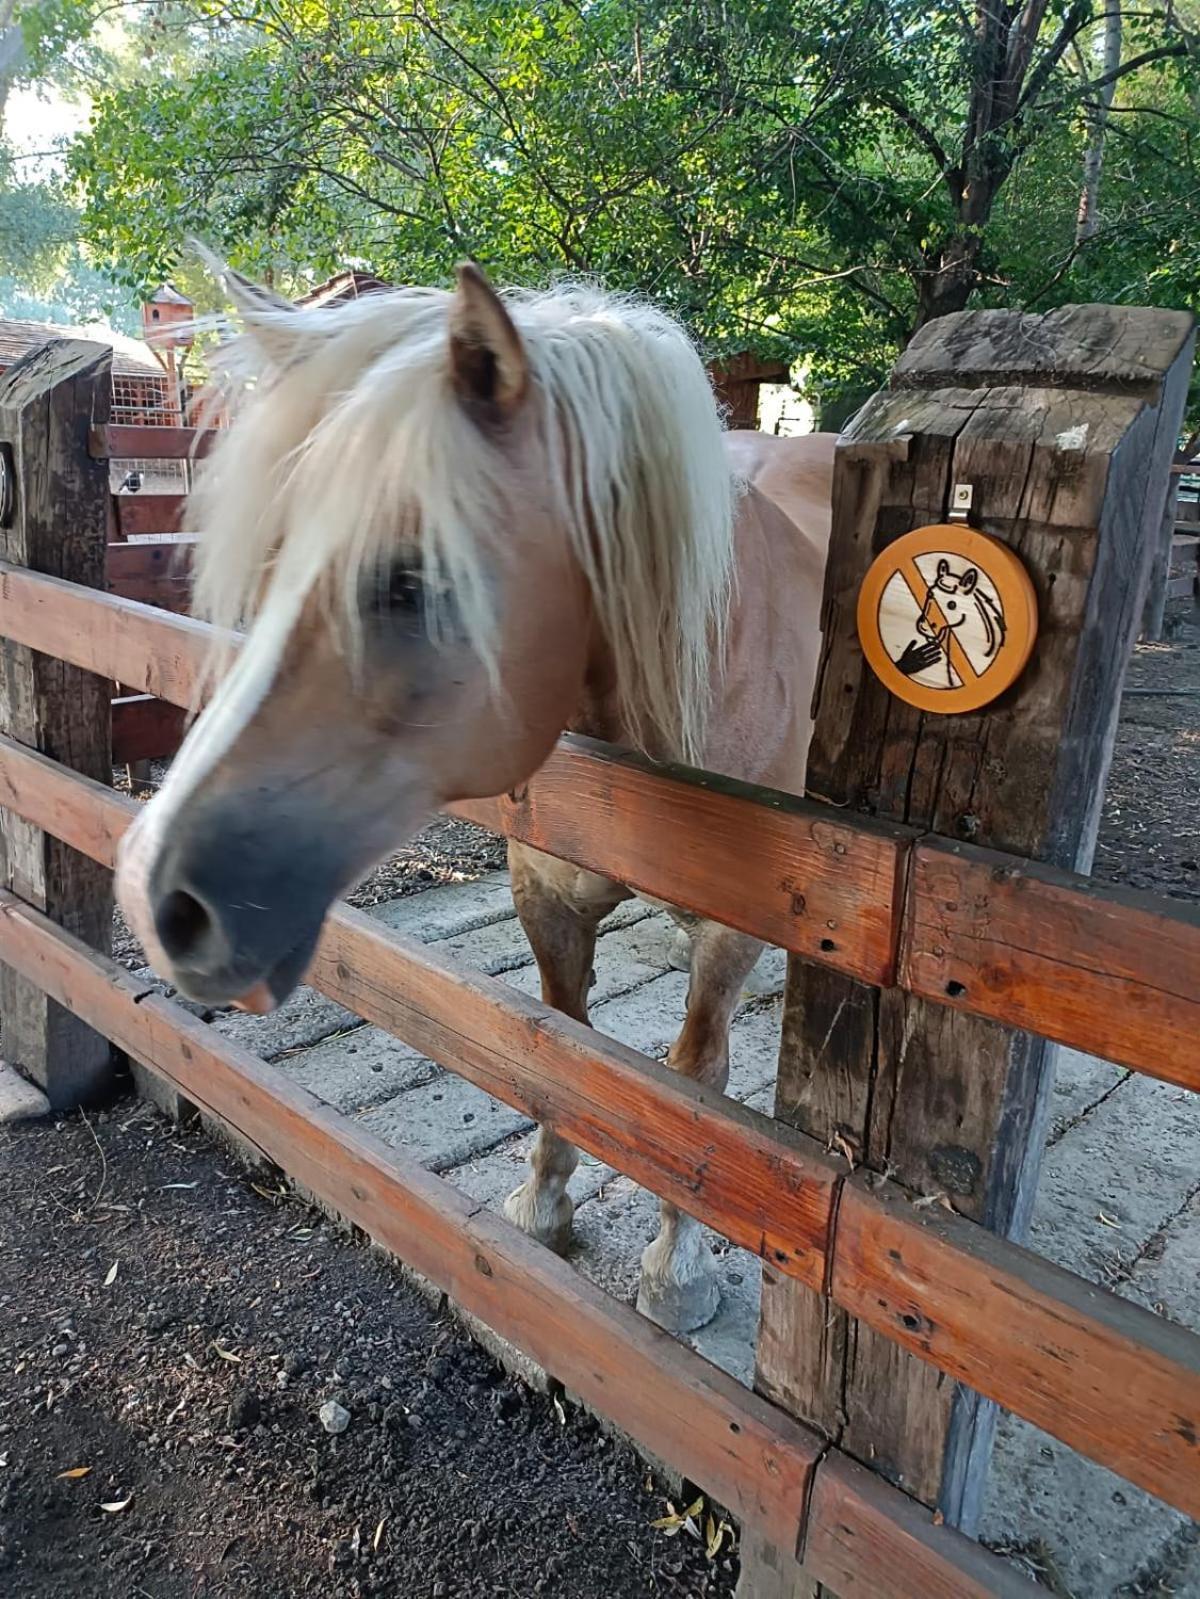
1062,428
54,519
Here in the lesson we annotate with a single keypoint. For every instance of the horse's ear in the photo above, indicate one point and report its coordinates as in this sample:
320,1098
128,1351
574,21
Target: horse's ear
487,359
968,580
266,316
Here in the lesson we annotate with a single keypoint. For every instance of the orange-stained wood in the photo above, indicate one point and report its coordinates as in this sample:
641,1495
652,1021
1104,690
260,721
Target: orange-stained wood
1114,1381
1040,1340
146,649
1104,969
747,1455
785,869
715,1158
139,514
866,1537
149,444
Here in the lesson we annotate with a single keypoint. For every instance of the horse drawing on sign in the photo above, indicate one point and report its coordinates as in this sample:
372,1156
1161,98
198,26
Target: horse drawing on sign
956,604
453,524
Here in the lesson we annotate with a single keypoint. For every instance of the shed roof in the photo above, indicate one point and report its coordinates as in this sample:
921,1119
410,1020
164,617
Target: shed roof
131,358
342,286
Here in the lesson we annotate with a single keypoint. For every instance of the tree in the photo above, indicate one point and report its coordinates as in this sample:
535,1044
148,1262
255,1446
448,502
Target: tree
822,178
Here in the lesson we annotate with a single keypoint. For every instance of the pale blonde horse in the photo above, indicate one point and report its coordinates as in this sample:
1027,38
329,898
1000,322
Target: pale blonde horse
454,524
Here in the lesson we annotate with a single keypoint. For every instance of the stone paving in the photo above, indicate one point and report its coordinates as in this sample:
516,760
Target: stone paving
1119,1199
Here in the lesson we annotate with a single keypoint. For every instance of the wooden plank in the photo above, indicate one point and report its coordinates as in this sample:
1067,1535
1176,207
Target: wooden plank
715,1158
787,870
145,729
145,649
150,444
720,1435
139,514
87,815
58,524
938,1262
1158,581
867,1538
1065,428
1104,969
1105,1376
153,574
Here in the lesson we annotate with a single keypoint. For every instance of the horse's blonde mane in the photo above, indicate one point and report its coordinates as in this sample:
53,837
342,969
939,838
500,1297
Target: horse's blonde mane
350,443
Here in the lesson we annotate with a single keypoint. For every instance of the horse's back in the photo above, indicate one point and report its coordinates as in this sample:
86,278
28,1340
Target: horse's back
796,474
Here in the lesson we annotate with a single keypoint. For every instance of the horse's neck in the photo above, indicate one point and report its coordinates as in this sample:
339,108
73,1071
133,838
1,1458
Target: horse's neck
759,724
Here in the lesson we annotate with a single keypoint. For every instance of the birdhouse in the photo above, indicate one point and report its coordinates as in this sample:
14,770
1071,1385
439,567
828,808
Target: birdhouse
167,318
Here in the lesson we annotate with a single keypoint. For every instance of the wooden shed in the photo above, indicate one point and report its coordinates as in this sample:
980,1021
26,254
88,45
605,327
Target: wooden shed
737,380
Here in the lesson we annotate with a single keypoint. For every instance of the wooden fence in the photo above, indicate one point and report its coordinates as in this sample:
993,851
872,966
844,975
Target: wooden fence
875,903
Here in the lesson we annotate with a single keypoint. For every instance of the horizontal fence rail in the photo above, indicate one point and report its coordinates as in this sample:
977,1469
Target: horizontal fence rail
140,514
788,871
1041,1341
153,574
134,443
991,934
774,1474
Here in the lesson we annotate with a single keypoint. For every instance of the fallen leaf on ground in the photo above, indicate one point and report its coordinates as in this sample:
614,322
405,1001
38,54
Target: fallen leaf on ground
676,1520
75,1471
113,1505
1109,1221
378,1538
227,1354
111,1275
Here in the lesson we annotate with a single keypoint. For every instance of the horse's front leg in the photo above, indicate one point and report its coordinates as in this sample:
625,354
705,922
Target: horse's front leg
679,1288
560,907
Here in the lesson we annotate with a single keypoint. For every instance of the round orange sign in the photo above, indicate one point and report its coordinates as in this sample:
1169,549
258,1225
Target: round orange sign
947,618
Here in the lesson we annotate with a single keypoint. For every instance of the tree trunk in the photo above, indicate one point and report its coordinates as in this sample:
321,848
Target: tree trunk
949,278
1093,158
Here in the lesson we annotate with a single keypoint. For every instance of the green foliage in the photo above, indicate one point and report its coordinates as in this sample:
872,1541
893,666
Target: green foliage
793,178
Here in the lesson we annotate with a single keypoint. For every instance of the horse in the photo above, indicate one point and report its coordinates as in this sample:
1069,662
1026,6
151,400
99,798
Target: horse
451,524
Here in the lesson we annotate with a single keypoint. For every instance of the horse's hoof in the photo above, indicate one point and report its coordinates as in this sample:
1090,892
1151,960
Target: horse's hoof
679,1288
679,951
680,1307
549,1224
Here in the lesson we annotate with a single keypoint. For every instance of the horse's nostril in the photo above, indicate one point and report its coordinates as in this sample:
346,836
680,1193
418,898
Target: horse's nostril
181,923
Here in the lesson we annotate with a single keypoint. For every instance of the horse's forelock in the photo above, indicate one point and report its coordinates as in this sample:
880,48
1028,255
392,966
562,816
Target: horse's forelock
336,457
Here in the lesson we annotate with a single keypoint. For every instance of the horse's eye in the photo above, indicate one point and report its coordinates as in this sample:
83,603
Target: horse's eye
404,594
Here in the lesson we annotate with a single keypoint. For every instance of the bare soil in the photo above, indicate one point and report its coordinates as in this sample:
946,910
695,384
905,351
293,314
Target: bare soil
1150,832
168,1335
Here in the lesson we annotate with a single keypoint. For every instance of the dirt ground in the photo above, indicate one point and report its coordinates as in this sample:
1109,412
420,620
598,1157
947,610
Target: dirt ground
168,1335
175,1330
1150,833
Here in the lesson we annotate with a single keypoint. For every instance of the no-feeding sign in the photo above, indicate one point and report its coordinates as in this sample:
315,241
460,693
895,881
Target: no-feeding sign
947,618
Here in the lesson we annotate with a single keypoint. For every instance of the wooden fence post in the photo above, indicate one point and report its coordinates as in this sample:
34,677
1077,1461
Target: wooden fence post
1064,425
55,520
1154,610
